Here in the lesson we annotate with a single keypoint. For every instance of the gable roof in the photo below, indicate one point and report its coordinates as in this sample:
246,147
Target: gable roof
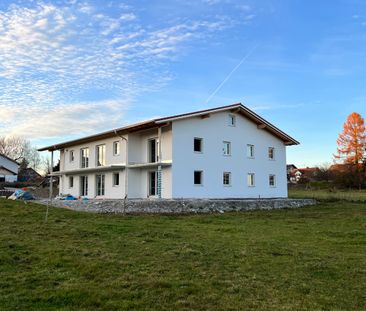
154,123
10,159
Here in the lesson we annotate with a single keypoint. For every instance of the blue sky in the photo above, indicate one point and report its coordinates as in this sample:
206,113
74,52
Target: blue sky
71,68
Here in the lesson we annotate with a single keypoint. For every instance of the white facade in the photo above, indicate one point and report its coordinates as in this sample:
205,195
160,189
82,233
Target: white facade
235,157
8,169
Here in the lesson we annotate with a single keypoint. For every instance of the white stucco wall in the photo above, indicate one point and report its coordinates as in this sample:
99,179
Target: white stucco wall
214,130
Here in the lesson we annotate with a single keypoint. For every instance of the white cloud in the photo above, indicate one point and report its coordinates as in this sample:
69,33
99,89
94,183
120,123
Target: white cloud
51,56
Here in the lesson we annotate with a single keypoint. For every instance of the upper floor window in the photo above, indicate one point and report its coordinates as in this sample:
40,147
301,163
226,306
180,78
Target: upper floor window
231,120
84,152
250,151
116,148
101,155
197,144
226,179
197,178
251,179
226,148
271,153
72,156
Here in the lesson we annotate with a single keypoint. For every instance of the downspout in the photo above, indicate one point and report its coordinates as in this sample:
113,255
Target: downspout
159,159
51,186
126,167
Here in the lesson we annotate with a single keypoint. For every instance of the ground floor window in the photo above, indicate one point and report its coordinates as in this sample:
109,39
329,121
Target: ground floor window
100,183
115,179
71,181
83,185
197,177
272,180
226,178
251,179
153,183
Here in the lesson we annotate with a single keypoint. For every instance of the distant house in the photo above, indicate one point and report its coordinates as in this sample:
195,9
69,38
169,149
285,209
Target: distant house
29,175
309,173
8,169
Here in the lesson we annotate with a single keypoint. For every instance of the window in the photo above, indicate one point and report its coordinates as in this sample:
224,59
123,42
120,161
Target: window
116,148
115,179
271,153
101,155
272,180
152,150
231,120
226,148
226,179
84,157
197,144
100,183
250,178
72,156
83,185
198,177
71,182
250,151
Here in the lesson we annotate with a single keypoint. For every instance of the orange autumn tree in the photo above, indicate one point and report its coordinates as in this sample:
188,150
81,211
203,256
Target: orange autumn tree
352,141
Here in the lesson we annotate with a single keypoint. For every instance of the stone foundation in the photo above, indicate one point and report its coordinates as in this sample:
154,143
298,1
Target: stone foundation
178,206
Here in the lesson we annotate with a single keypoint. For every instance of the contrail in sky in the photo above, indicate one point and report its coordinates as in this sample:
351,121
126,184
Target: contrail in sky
231,73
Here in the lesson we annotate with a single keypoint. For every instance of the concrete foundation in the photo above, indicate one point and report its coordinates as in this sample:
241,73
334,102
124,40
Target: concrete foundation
178,206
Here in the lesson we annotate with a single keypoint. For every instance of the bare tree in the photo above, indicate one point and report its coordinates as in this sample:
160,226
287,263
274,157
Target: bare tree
20,149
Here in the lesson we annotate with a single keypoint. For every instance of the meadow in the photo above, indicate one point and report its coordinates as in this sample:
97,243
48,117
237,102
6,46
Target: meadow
311,258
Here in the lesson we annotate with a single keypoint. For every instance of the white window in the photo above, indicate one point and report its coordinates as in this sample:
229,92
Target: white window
272,180
84,157
226,179
226,148
197,178
251,179
197,144
116,148
101,155
71,182
100,183
250,151
83,185
231,120
115,179
72,156
271,153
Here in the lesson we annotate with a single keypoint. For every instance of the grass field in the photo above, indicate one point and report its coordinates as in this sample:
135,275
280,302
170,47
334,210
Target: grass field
302,259
327,195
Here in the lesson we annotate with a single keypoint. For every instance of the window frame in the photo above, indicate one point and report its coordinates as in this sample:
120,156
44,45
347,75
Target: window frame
271,149
71,182
201,178
252,183
116,143
224,149
114,184
97,153
274,180
252,153
102,185
229,179
84,164
231,119
71,156
201,144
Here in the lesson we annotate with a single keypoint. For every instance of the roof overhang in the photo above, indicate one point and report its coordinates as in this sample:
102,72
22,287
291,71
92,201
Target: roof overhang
155,123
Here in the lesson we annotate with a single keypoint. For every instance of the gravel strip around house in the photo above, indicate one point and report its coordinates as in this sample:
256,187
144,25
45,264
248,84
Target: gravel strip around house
183,206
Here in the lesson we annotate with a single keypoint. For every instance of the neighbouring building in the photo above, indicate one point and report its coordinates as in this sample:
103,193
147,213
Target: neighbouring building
8,169
224,152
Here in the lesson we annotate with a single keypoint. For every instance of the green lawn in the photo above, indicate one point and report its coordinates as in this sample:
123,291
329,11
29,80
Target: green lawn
302,259
327,195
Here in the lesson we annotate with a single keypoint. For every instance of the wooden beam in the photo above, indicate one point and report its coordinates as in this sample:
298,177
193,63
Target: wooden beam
204,116
261,126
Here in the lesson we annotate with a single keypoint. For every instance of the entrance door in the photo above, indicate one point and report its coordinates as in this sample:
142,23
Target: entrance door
153,183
